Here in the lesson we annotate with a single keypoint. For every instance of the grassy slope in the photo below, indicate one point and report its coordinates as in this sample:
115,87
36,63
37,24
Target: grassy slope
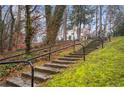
103,67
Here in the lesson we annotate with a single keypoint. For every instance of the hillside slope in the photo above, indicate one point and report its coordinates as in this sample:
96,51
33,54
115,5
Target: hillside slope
103,67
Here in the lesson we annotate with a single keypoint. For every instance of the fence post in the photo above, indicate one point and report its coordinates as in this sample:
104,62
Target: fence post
74,46
102,43
49,53
109,38
84,53
84,42
32,73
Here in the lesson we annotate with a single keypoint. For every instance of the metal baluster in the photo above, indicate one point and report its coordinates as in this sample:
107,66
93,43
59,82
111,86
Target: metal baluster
84,53
49,53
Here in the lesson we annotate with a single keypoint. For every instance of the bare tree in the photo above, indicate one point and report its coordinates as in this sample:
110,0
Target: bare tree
96,19
100,20
18,24
65,24
28,29
11,29
2,27
1,31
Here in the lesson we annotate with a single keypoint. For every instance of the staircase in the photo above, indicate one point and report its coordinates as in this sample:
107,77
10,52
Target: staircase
46,71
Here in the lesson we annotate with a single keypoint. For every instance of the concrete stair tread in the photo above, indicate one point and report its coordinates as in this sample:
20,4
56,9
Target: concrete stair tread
69,58
56,65
80,54
64,62
91,49
37,75
48,69
19,82
74,56
45,50
45,72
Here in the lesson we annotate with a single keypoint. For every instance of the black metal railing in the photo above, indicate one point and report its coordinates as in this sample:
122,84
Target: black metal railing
34,47
29,61
26,62
50,52
41,49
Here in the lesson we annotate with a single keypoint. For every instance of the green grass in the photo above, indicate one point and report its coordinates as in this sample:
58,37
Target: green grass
103,67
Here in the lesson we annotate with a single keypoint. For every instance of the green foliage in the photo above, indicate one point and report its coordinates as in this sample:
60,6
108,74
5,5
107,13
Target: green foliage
82,13
28,56
120,29
4,69
104,67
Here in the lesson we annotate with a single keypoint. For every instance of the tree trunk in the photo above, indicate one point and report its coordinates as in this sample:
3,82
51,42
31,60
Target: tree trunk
28,29
105,25
79,31
48,14
84,19
100,21
96,20
83,29
54,23
65,25
1,31
11,30
17,26
110,16
80,22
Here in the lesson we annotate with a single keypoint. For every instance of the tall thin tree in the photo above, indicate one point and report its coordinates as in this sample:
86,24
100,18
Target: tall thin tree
28,29
12,28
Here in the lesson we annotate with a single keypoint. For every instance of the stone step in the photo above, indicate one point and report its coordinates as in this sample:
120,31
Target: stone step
19,82
50,70
64,62
45,72
78,54
74,56
88,51
56,65
38,76
45,50
69,58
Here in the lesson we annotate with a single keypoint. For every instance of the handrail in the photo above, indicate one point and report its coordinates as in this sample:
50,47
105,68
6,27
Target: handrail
23,61
21,54
30,52
51,52
42,45
28,61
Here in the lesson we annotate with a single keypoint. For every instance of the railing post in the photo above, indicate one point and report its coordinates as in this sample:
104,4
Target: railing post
49,53
26,62
32,73
109,38
74,46
84,53
102,43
